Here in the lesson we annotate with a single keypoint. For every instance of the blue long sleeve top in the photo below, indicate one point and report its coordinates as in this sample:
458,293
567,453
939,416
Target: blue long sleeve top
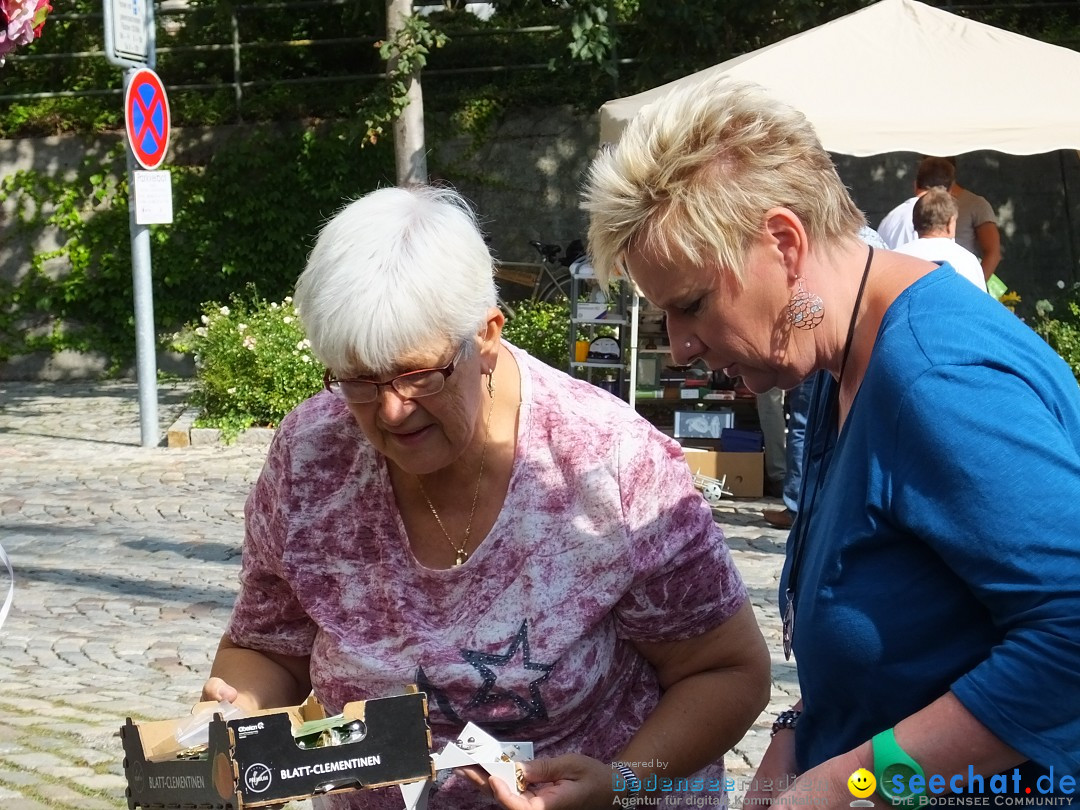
940,549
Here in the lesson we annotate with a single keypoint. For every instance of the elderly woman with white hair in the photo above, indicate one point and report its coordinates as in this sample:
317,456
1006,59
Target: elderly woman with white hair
454,513
931,591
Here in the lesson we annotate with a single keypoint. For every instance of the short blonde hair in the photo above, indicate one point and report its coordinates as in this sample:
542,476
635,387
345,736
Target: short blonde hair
695,172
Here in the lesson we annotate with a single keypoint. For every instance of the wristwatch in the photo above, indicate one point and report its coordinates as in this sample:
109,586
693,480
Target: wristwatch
785,720
891,760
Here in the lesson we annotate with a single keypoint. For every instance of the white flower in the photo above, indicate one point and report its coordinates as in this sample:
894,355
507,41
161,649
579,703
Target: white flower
231,390
1061,284
224,310
288,299
201,331
241,327
304,344
274,305
305,358
288,319
249,343
206,319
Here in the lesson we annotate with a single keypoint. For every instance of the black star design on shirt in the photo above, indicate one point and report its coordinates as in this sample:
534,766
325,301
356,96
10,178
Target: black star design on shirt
532,707
436,694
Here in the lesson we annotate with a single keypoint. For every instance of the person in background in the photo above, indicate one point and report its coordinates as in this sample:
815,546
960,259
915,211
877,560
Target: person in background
770,411
976,227
934,217
896,227
931,592
797,404
453,513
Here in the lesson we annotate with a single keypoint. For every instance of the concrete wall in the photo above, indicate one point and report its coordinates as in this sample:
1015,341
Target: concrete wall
525,182
61,156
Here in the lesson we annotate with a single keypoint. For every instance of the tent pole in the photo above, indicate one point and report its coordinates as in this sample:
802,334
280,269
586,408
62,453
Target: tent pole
1068,213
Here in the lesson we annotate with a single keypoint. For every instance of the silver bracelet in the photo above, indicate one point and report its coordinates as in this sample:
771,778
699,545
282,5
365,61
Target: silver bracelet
633,782
785,721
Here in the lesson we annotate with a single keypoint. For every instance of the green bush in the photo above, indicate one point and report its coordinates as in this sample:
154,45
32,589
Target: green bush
1058,323
253,363
542,329
246,214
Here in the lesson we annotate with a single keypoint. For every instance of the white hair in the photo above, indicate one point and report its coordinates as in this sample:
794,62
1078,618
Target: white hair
395,271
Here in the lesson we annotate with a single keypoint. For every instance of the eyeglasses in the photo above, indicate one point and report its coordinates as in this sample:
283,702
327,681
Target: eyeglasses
411,385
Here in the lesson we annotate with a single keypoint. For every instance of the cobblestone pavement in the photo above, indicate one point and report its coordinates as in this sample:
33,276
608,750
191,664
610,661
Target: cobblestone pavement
125,563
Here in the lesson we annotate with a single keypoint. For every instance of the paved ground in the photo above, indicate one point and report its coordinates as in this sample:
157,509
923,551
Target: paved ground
125,562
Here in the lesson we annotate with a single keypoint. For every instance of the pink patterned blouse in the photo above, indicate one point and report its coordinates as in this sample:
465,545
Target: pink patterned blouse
602,541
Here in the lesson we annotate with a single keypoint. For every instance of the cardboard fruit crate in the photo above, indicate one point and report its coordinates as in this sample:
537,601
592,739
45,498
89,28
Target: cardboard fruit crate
255,761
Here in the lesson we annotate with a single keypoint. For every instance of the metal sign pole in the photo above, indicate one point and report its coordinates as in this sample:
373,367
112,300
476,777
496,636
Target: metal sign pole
145,339
130,44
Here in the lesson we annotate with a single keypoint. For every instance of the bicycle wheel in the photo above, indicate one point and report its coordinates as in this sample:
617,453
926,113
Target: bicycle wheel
555,289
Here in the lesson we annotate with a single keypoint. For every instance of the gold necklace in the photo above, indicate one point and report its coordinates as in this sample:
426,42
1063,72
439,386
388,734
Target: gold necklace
462,553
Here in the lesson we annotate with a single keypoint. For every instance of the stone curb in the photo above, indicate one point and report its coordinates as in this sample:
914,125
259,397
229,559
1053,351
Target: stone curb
183,433
179,432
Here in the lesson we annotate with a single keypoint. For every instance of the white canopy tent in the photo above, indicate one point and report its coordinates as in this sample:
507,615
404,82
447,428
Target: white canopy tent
903,76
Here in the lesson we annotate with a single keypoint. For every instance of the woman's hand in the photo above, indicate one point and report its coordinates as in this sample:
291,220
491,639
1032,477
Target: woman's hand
253,680
217,689
775,774
824,786
568,782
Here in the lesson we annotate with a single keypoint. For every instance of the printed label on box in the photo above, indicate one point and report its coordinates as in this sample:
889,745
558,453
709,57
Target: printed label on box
702,424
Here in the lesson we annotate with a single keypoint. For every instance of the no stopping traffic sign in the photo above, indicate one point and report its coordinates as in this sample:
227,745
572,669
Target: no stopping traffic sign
146,118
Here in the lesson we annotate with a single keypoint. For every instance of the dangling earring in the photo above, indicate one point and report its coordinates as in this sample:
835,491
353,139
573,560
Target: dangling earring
491,384
805,310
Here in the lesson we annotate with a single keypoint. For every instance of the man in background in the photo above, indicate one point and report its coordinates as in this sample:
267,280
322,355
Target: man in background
934,220
896,228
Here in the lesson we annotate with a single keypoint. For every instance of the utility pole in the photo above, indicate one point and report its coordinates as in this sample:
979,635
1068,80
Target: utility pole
130,44
410,156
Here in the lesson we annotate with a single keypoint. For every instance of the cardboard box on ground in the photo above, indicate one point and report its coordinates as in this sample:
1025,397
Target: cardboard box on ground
745,471
255,761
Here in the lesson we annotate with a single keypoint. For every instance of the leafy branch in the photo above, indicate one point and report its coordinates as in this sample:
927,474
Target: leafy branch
405,56
593,36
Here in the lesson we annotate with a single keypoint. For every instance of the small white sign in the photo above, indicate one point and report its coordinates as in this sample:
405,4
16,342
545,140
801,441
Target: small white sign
129,34
153,197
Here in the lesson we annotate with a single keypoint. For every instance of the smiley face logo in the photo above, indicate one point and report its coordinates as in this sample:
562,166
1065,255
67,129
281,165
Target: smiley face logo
861,783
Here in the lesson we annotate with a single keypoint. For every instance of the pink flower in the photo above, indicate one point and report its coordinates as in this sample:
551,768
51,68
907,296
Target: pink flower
20,22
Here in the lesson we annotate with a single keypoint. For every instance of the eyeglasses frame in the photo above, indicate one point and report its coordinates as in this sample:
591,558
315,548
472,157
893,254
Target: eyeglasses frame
445,371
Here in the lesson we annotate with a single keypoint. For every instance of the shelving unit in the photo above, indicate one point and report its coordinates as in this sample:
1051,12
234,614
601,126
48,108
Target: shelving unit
605,307
650,340
660,350
697,424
